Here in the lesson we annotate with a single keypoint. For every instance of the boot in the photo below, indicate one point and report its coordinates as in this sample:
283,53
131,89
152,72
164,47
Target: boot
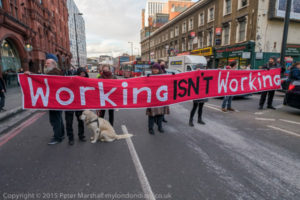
191,122
151,131
200,121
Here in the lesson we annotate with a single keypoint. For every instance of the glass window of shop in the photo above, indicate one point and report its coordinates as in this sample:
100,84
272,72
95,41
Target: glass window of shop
1,4
10,63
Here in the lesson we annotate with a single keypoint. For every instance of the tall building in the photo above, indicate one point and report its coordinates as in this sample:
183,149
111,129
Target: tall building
80,43
175,7
28,31
153,7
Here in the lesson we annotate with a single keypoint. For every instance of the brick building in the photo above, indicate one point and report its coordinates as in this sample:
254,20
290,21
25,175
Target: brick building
28,31
223,31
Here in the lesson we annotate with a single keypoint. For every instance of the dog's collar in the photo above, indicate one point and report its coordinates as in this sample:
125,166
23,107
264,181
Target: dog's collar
92,121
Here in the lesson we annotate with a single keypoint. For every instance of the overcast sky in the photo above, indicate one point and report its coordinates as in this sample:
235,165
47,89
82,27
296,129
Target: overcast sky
111,24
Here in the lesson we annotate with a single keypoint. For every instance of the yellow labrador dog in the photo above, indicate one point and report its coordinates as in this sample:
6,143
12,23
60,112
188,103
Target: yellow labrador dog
101,128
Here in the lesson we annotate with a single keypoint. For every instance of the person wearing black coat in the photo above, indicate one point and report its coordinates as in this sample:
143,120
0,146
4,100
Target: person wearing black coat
270,65
69,115
295,72
2,94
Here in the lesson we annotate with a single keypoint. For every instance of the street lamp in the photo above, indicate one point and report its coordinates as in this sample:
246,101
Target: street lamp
131,49
78,61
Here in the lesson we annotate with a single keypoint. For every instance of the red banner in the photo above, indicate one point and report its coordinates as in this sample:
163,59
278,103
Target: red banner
77,93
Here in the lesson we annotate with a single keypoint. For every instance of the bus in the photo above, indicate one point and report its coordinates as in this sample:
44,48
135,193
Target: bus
134,68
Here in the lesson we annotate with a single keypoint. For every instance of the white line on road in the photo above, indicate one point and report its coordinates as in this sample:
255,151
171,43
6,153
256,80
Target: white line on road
139,168
265,119
217,109
285,131
288,121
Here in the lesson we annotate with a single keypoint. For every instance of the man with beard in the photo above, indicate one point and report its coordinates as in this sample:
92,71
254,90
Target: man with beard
55,116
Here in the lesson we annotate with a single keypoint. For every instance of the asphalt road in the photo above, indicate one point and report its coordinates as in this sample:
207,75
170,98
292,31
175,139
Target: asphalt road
248,154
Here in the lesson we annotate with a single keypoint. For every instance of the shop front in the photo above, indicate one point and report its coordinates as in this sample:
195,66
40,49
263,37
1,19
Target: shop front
293,50
243,54
10,62
207,53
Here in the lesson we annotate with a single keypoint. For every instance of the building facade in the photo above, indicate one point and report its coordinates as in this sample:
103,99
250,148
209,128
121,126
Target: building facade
153,7
223,31
28,31
76,17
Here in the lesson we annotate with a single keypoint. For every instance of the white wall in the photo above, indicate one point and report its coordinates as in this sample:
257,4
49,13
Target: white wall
269,33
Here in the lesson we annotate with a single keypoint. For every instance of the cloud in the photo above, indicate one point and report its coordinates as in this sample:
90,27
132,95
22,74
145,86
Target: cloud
110,24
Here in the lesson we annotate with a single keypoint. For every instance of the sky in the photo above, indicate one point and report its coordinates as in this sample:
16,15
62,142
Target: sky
111,24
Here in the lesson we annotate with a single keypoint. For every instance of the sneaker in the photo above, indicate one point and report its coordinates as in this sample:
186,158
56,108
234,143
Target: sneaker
271,107
231,109
224,109
53,142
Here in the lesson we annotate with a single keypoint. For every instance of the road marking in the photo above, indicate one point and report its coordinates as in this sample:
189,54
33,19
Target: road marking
259,113
288,121
285,131
217,109
139,168
4,139
265,119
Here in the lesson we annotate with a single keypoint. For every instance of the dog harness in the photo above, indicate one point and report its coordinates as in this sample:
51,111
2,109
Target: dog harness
95,120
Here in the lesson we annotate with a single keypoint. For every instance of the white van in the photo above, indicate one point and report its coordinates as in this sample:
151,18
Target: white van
187,63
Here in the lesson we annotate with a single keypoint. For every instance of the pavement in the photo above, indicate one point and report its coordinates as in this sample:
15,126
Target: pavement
247,154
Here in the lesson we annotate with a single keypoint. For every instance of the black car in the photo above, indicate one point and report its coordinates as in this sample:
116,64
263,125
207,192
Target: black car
292,97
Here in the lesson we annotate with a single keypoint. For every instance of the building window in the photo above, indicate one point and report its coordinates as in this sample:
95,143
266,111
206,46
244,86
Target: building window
210,36
191,24
200,40
227,7
242,3
226,34
183,44
184,27
172,34
176,31
211,14
241,29
201,19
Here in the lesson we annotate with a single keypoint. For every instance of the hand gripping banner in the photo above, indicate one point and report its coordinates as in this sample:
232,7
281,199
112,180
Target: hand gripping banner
77,93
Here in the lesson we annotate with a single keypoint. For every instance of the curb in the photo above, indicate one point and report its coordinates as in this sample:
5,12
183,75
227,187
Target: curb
10,113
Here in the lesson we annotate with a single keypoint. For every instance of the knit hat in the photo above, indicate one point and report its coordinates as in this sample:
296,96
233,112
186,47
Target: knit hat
52,56
156,66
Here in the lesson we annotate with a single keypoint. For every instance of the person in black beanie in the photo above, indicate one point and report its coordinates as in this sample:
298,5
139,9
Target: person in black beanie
69,115
270,65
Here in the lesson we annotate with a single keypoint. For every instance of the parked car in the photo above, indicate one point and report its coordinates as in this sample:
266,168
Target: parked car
292,96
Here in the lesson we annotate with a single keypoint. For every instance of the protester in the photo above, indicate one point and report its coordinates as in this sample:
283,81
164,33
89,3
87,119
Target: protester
270,65
163,69
2,94
156,114
295,72
199,104
107,74
55,116
228,99
69,115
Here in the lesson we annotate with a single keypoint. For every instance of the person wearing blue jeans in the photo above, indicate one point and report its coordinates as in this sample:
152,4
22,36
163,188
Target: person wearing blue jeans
227,103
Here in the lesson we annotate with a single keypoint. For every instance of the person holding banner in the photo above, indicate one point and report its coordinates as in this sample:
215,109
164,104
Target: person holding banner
69,115
156,114
107,74
228,99
270,65
55,116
